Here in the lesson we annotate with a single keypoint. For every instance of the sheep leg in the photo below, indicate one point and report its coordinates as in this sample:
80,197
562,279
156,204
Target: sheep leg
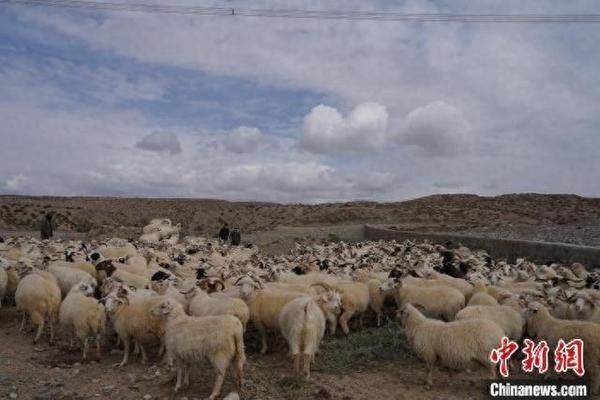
263,337
51,326
217,385
296,362
144,354
378,319
71,344
23,322
186,375
98,353
179,367
86,345
344,318
429,377
126,346
307,357
39,331
332,325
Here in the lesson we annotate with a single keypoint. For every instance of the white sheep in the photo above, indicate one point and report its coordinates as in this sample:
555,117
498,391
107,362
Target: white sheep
68,277
480,297
83,316
4,267
505,317
584,308
203,305
438,301
264,306
456,344
459,284
190,339
302,324
355,301
542,325
133,321
38,296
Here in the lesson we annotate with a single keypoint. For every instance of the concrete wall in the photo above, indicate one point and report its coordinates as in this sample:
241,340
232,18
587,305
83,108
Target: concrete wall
539,252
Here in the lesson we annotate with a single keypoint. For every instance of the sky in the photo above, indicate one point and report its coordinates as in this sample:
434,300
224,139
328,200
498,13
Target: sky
105,103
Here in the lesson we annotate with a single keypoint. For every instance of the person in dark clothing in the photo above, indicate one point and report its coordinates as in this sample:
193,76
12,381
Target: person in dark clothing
236,237
224,233
46,227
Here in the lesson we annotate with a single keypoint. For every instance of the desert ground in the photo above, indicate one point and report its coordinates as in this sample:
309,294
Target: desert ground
369,364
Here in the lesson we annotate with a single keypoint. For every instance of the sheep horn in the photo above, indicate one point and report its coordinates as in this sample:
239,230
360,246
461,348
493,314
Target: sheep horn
238,280
220,282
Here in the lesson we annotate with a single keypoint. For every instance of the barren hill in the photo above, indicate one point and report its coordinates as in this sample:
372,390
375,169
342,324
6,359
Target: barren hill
125,216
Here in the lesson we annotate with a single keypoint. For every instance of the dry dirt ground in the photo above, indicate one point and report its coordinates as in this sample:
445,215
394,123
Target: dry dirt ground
369,364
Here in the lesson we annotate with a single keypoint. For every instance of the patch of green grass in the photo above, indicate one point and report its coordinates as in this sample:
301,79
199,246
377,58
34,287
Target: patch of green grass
364,349
295,382
332,237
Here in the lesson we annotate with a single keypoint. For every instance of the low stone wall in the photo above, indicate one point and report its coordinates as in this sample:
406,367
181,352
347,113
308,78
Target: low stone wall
539,252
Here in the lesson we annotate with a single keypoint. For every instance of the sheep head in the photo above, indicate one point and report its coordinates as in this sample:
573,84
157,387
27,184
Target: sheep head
106,266
164,308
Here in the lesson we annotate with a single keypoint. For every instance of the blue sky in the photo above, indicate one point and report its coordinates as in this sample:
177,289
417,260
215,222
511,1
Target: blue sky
132,104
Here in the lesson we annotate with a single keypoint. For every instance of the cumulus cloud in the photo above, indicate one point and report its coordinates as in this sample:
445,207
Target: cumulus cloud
437,129
326,130
16,183
243,140
160,142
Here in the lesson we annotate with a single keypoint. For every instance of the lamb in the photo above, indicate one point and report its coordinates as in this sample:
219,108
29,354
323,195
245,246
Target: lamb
542,325
38,295
189,339
355,300
457,344
133,320
83,316
509,320
68,277
377,297
436,301
203,305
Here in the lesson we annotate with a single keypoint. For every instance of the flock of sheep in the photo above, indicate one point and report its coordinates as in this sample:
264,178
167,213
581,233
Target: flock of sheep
192,298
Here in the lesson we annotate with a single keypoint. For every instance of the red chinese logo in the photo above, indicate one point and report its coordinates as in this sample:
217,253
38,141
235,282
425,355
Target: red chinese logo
536,356
569,356
503,354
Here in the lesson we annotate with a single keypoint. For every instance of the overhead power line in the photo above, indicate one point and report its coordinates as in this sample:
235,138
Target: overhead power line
314,14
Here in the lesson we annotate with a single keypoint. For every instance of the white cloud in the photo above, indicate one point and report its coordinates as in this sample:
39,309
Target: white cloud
160,142
519,111
437,129
243,140
16,183
326,130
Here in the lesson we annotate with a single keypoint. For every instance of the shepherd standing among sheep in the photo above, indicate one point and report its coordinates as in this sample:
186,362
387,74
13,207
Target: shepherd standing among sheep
46,232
